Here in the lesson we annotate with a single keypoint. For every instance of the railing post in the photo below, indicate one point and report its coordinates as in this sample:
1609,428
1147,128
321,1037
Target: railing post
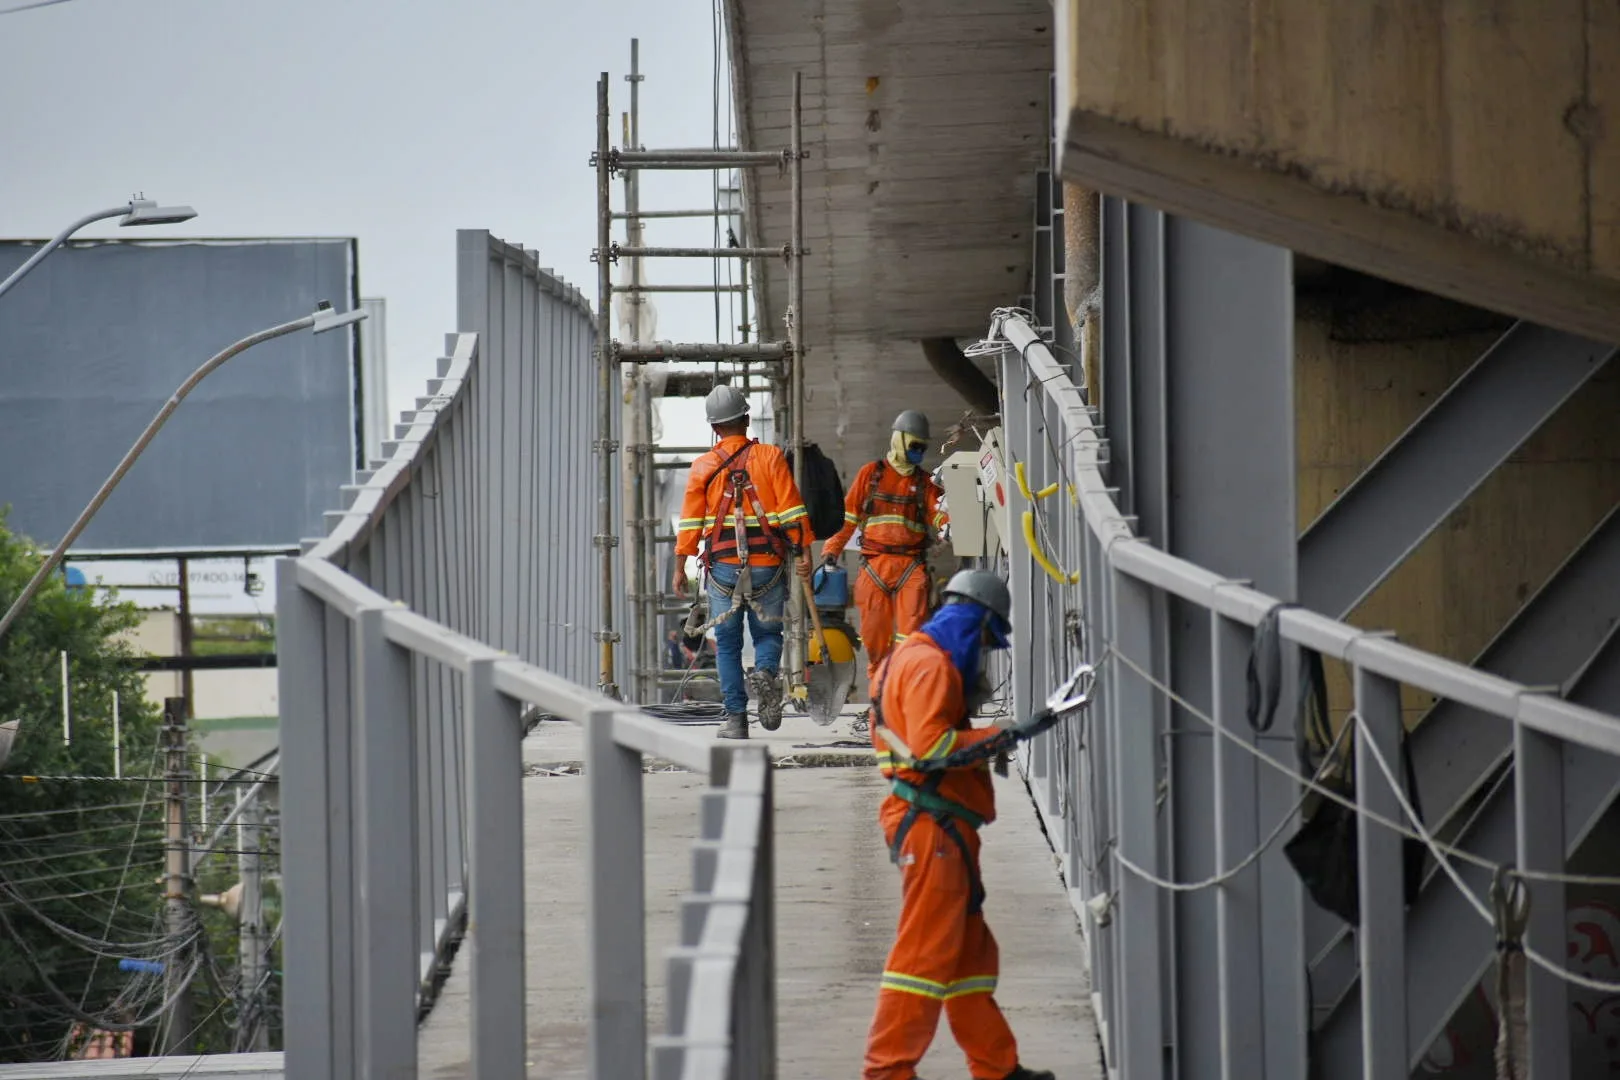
494,785
1137,1028
1382,934
616,911
1538,781
385,853
758,1042
1237,833
311,989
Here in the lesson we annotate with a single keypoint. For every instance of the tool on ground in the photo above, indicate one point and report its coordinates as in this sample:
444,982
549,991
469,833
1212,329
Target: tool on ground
830,674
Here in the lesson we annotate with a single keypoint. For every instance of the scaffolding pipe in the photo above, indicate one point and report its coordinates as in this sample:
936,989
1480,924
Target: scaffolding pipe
795,335
616,252
677,288
650,351
647,215
640,419
606,398
697,159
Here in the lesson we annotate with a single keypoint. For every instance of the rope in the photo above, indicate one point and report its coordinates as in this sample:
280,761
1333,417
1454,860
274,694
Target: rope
1350,804
1248,860
1510,903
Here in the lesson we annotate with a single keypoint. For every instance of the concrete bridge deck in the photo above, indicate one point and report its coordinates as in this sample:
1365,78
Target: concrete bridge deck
837,899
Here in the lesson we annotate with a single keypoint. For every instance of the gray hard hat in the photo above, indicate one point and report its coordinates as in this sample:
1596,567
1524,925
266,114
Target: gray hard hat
912,422
981,587
724,404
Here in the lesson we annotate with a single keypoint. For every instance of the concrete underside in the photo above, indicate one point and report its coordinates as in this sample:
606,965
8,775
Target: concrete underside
925,124
1463,149
837,901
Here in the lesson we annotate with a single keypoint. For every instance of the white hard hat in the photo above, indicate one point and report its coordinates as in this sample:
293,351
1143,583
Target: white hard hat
724,404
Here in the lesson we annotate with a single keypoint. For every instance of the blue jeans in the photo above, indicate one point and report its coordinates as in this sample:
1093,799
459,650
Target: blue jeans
728,636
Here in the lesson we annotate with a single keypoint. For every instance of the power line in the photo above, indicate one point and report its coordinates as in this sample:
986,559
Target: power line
31,6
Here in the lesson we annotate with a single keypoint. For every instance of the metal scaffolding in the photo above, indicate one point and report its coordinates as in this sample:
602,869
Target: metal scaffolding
778,363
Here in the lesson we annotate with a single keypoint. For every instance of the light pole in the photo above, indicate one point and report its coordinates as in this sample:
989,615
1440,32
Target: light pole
322,320
137,211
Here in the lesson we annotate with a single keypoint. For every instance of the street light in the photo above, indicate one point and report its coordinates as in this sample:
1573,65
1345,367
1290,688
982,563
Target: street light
137,211
323,319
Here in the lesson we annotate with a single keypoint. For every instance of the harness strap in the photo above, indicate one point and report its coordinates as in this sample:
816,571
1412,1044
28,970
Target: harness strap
740,497
945,812
891,590
925,798
912,504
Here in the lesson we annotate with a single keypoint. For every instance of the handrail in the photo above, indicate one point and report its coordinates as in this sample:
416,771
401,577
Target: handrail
401,746
1109,832
1241,603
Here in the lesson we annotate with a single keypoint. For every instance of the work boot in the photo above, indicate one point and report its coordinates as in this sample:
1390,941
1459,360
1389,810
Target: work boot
735,727
1022,1073
767,688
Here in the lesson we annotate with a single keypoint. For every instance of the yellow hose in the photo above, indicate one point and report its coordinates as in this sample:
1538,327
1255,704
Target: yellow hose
1039,556
1023,484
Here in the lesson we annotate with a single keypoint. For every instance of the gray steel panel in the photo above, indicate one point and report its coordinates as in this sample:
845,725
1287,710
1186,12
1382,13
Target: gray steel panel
1448,945
96,339
1229,411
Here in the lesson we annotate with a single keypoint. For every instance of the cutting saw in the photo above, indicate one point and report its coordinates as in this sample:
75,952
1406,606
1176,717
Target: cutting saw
829,675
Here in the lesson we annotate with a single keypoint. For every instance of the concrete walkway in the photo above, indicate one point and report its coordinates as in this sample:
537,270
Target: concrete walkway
837,902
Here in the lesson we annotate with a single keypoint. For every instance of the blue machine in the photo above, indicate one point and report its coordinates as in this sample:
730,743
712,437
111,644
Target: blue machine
831,588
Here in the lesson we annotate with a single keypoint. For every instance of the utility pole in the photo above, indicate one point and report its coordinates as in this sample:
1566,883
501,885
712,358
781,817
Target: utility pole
251,942
187,631
177,912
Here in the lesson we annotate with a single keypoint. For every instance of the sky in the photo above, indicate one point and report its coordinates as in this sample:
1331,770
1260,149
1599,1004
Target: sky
393,121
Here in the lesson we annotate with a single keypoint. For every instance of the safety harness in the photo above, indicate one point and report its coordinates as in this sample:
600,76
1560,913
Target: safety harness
740,498
910,507
925,798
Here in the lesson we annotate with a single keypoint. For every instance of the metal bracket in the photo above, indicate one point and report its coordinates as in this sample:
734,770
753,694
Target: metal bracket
607,635
601,541
605,445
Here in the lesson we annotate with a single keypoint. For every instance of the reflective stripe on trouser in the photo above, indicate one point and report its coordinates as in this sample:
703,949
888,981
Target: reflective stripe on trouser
942,958
886,618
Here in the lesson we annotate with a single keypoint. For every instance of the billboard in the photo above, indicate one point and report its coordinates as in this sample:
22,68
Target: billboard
97,337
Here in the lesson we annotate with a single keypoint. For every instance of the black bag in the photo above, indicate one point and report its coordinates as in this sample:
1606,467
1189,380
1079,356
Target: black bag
1324,852
823,492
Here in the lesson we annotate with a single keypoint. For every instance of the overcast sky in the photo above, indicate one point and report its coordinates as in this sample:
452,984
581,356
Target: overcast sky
395,122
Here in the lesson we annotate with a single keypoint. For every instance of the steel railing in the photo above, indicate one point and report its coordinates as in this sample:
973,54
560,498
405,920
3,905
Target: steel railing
1097,592
402,788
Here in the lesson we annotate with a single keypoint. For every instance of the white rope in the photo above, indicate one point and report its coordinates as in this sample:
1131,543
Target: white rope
1350,804
1250,859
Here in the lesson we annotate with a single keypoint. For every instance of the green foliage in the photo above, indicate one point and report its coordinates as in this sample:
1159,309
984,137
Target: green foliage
215,635
76,857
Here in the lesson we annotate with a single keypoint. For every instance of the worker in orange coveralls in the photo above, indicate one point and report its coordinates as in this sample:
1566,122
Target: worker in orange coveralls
941,795
897,507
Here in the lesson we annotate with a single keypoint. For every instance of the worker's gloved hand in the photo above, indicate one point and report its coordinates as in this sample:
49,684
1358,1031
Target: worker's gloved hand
830,561
1034,724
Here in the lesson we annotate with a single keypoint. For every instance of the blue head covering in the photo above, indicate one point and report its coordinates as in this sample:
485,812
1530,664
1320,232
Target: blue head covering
958,628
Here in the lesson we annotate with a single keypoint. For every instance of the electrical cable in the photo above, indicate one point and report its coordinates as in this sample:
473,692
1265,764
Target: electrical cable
688,712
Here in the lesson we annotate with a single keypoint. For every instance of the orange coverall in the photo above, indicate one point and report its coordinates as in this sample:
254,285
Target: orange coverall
944,954
891,590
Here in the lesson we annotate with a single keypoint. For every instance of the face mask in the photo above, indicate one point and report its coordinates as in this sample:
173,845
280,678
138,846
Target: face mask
915,454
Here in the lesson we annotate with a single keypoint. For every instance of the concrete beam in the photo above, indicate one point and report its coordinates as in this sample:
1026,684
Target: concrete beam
1440,460
1247,196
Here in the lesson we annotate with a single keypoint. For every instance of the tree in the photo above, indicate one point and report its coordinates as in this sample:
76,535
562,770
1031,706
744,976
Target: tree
79,858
